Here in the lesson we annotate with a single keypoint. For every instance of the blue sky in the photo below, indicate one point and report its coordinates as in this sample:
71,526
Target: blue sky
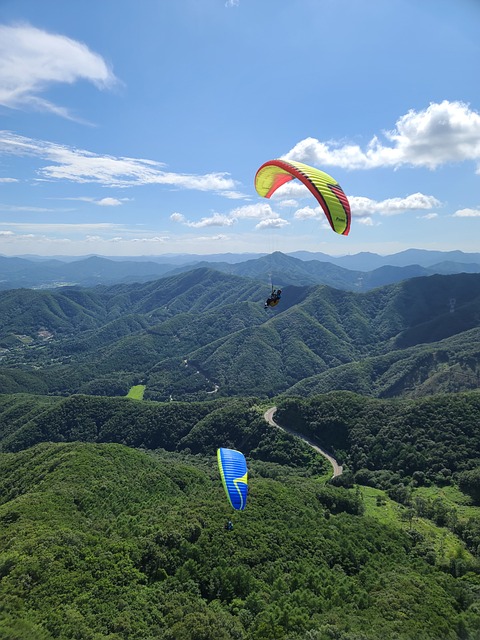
135,127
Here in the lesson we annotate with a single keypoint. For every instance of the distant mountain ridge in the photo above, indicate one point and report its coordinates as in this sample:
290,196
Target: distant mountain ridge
360,272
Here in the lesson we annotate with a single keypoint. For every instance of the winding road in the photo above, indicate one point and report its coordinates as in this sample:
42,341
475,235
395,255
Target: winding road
337,468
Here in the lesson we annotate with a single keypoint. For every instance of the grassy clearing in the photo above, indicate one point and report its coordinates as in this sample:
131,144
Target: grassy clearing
446,544
452,497
136,392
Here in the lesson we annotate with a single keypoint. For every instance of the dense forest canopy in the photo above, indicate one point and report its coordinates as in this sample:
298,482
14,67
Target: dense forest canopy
112,510
200,333
104,541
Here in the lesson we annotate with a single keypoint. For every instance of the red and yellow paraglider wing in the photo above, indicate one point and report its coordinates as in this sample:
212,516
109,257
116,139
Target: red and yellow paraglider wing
270,177
329,194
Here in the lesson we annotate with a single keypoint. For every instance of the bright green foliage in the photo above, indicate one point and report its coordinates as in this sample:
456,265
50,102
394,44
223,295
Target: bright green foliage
136,392
102,541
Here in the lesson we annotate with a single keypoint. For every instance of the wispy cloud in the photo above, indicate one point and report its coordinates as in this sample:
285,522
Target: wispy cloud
81,166
232,3
442,133
101,202
32,60
26,208
5,180
63,227
216,220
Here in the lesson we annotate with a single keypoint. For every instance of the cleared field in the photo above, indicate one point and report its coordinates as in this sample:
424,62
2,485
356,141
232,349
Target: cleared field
136,392
379,506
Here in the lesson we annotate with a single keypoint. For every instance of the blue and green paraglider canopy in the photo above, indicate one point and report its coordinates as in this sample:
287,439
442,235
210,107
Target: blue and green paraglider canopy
233,469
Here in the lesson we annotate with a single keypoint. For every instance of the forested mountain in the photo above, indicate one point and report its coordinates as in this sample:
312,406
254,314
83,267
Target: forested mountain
203,332
102,541
300,268
112,510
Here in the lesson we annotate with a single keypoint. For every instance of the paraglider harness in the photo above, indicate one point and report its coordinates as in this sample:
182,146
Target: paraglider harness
274,298
229,526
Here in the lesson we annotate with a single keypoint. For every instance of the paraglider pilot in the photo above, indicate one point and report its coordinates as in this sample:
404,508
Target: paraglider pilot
274,298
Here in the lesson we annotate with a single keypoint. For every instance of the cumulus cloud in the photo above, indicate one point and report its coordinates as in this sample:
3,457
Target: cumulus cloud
216,220
272,223
307,213
367,221
442,133
108,202
258,210
32,60
80,166
293,189
287,204
467,213
362,206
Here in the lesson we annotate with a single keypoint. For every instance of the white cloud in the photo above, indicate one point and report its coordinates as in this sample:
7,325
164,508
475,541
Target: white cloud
258,210
102,202
232,3
216,238
444,132
78,165
31,60
362,206
366,221
235,195
217,220
467,213
154,239
272,223
108,202
292,189
307,213
428,216
45,227
4,180
287,204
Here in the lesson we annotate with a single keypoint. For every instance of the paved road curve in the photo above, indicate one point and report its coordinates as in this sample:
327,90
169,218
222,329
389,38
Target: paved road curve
337,468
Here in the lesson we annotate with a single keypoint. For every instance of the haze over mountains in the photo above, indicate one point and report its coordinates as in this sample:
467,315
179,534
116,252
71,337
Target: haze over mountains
360,272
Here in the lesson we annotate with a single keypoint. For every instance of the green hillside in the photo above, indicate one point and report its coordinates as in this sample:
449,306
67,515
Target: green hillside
101,541
193,334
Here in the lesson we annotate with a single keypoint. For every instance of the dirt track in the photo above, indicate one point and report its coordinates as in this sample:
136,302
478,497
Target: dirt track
268,415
